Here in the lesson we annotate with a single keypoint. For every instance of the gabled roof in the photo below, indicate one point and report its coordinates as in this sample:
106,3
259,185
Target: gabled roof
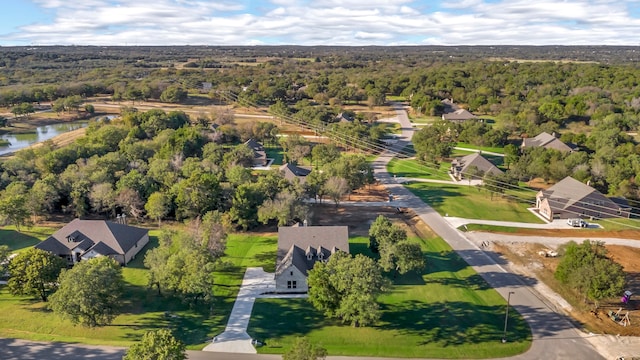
293,171
460,114
568,191
118,237
259,155
478,161
294,243
546,140
342,117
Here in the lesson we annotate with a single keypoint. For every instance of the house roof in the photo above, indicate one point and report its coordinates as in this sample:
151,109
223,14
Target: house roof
293,171
449,105
295,242
258,150
119,238
568,191
342,117
476,160
460,114
546,140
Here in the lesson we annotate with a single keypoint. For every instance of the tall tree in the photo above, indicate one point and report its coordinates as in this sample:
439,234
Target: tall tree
158,206
396,252
90,292
13,204
346,288
157,345
35,272
336,188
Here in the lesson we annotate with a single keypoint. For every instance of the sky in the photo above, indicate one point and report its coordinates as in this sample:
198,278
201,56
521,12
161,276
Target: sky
320,22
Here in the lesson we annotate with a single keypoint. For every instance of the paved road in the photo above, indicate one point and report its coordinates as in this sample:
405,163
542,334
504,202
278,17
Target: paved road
554,335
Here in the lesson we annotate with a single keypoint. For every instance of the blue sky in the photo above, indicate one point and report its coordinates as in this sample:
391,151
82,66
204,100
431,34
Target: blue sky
320,22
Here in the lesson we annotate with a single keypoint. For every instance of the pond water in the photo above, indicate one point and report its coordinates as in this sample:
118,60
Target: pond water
41,133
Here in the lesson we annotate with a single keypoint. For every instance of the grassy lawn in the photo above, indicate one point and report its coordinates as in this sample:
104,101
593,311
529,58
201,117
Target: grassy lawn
448,311
143,309
471,202
27,237
413,168
424,119
498,150
276,154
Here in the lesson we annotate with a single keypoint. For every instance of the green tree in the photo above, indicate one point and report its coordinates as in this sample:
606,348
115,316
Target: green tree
4,259
158,206
90,292
173,94
13,204
346,288
302,349
396,252
435,141
157,345
286,207
586,268
42,196
35,272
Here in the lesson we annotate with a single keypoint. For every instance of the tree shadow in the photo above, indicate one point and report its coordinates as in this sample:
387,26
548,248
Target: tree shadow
16,240
453,323
13,349
482,258
275,318
267,260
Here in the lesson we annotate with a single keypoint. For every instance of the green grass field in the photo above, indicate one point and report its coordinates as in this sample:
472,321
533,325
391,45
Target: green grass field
414,169
471,202
448,311
498,150
143,309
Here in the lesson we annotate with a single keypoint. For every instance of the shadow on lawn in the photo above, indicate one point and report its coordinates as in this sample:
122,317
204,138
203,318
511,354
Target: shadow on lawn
271,318
456,322
16,240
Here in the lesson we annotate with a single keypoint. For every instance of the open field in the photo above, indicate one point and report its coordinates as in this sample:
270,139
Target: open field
447,311
498,150
471,202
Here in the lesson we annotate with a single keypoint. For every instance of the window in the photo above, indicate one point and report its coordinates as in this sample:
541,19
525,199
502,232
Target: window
291,273
292,284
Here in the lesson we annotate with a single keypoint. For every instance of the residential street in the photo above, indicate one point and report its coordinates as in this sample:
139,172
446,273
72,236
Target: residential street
555,337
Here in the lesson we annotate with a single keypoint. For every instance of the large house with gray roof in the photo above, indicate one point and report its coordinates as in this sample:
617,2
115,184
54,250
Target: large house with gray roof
300,247
85,239
546,140
570,198
292,172
259,154
472,166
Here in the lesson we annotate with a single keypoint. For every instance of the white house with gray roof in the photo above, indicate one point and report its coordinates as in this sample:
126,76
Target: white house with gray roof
86,239
300,247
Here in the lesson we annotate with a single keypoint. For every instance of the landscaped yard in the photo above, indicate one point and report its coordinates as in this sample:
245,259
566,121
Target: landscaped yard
472,202
448,311
411,168
498,150
143,308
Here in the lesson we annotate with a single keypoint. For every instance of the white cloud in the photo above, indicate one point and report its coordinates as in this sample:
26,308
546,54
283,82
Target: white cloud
331,22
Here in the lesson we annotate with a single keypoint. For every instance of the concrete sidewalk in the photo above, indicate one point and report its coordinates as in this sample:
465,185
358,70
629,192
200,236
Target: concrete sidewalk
235,338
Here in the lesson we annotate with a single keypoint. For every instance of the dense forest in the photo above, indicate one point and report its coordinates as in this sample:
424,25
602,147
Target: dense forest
589,95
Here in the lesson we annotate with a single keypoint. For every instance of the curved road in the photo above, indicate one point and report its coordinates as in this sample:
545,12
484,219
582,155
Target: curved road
554,335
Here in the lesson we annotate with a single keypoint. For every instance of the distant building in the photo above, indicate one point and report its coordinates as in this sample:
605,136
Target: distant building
342,117
86,239
460,166
259,154
292,172
547,141
570,198
459,115
300,247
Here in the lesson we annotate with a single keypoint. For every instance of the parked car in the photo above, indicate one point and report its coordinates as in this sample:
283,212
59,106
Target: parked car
577,223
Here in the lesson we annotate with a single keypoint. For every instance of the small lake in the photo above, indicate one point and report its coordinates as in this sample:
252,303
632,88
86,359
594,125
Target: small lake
42,133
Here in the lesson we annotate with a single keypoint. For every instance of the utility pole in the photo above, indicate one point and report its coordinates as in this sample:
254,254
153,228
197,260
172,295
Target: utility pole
506,318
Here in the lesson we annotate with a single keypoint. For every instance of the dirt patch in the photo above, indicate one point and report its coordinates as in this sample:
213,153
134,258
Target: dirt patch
586,233
525,259
374,192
